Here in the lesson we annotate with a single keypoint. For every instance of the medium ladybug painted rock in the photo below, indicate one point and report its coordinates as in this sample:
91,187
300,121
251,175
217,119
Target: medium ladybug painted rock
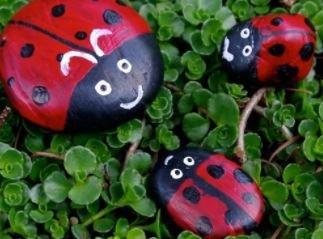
70,65
207,193
273,49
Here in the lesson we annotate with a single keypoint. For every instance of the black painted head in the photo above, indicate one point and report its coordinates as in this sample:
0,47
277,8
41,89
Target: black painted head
239,50
118,87
174,169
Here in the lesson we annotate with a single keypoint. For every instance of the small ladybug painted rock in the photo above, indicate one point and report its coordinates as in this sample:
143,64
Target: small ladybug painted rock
273,49
71,65
207,193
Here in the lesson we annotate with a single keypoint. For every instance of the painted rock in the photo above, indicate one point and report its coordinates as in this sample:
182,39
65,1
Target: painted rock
73,65
207,193
270,50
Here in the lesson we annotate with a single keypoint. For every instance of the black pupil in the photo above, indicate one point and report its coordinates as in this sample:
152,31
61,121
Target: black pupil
103,87
125,65
247,50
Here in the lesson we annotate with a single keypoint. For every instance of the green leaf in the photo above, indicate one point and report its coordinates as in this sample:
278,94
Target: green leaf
187,235
60,143
104,225
41,217
34,143
79,162
80,232
276,192
12,164
56,187
122,227
212,32
298,187
140,161
284,116
84,193
201,97
16,194
185,104
130,132
308,126
198,45
144,207
222,136
99,148
194,64
223,109
290,172
195,126
136,233
308,146
37,195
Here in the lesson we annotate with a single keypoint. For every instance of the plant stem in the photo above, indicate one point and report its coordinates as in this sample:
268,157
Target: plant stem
254,100
283,146
278,231
133,147
48,155
4,115
97,216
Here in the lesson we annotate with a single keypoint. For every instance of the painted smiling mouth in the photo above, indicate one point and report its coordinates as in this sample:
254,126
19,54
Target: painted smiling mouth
226,54
132,104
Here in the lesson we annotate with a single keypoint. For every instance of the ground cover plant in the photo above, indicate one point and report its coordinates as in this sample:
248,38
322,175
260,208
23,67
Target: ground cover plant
96,184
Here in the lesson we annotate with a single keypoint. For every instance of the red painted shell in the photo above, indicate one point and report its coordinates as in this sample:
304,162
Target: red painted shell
272,49
46,33
207,193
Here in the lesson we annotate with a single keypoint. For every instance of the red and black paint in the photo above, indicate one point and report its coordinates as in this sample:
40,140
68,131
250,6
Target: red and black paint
78,65
276,49
207,193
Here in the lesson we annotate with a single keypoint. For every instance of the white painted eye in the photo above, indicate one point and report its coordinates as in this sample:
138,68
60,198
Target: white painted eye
245,33
176,173
124,65
103,88
189,161
247,50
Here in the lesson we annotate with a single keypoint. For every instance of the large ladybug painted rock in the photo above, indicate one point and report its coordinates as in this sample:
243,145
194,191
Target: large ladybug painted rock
70,64
270,50
207,193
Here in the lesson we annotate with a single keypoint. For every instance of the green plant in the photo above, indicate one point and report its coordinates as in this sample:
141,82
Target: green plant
96,184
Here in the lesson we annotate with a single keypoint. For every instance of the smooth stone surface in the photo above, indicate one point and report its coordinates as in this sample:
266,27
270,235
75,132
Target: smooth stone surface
206,193
79,65
270,50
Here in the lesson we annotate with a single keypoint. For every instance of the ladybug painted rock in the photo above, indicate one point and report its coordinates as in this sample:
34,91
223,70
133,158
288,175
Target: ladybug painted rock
71,65
207,193
273,49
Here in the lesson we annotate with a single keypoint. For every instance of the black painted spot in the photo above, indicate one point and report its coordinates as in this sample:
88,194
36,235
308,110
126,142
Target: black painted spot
204,226
10,81
277,50
287,72
309,24
249,198
80,35
111,17
27,50
59,57
231,218
277,21
192,195
58,10
40,95
307,51
241,176
3,42
215,171
121,3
